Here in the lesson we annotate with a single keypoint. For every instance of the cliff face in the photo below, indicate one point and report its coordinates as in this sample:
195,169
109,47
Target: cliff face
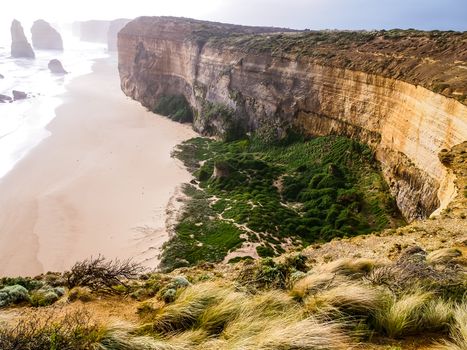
274,82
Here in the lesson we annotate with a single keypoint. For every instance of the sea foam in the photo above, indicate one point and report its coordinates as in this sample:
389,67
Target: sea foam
23,123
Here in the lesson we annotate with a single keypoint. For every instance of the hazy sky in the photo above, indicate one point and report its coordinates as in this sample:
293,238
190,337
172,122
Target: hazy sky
313,14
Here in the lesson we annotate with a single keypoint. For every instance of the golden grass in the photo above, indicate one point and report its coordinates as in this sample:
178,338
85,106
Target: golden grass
458,330
305,334
402,315
443,256
437,315
214,316
351,298
348,267
188,308
312,283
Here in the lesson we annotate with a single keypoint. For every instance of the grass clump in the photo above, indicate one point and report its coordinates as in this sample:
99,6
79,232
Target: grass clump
458,330
350,298
187,309
402,315
443,256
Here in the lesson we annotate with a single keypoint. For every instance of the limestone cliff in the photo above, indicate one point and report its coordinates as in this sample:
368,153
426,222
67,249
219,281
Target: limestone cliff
402,92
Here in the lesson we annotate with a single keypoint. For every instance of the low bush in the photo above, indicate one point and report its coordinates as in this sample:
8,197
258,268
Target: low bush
105,276
13,294
46,295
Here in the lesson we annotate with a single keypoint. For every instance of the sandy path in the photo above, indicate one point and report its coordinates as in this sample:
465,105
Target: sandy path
99,184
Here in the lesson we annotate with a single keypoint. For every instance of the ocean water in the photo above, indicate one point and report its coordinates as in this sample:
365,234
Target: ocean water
23,123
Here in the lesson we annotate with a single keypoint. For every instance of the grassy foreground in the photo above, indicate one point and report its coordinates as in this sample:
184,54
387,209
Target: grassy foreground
267,199
284,303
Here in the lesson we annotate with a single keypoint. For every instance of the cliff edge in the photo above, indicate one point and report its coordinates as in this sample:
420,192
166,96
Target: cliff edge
402,92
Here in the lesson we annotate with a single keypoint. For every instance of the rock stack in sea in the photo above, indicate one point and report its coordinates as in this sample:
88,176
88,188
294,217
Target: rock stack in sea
19,95
56,67
20,46
45,37
5,98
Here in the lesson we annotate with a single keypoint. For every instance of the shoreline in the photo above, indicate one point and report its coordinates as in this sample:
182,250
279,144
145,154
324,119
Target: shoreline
93,186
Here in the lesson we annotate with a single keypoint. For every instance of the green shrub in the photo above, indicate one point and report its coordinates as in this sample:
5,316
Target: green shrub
306,191
175,107
13,294
26,282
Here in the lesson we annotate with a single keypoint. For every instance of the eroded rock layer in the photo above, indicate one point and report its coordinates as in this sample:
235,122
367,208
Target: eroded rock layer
408,106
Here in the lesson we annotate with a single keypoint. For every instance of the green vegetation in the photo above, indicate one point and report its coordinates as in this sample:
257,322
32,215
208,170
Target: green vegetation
200,237
280,303
176,107
273,196
318,43
219,119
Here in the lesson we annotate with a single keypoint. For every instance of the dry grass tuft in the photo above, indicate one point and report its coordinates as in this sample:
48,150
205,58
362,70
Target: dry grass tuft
458,330
185,312
402,315
443,256
306,334
312,283
351,299
348,267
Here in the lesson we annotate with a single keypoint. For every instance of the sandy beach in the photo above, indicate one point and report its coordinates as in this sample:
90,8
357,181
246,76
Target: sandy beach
100,184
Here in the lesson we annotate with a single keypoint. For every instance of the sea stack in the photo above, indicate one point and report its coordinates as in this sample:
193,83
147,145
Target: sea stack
45,37
56,67
19,95
20,46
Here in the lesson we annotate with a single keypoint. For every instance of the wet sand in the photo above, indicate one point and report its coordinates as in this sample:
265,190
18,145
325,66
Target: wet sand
100,184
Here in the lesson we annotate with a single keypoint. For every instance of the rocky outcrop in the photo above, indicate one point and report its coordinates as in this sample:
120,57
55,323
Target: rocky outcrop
56,67
45,37
20,47
5,98
402,92
19,95
112,34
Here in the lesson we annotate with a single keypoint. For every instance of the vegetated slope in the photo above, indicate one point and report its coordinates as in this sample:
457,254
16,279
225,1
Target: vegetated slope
253,199
402,289
416,301
400,92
